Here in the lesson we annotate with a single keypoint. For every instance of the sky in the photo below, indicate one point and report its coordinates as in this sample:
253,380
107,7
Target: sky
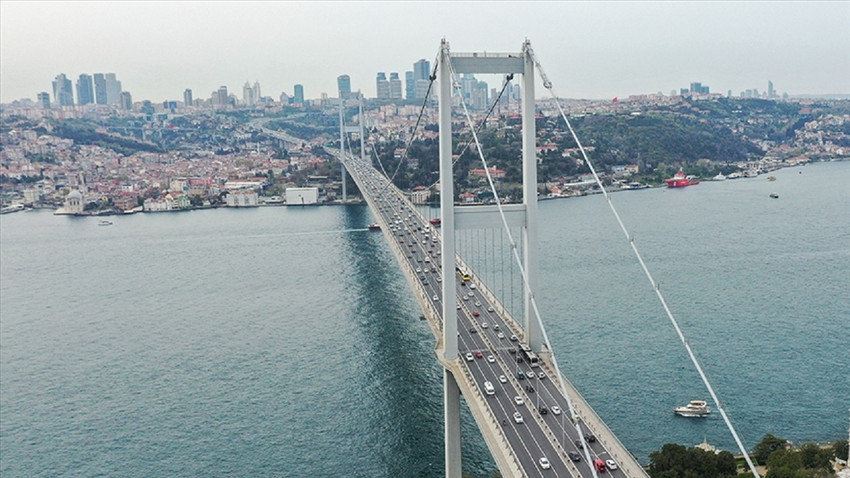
593,50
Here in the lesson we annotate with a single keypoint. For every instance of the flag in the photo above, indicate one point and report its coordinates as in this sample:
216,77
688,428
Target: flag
614,100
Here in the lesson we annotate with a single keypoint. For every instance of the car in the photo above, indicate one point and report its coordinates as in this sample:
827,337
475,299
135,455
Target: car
589,438
458,307
471,286
473,330
544,410
530,374
541,375
465,298
612,465
599,465
491,359
514,338
520,375
503,379
517,417
477,304
579,444
484,325
436,297
490,309
556,410
439,279
544,463
501,336
469,357
475,314
479,354
512,351
418,270
495,326
519,401
574,456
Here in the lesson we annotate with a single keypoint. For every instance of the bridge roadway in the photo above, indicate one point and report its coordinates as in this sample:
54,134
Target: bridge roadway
488,338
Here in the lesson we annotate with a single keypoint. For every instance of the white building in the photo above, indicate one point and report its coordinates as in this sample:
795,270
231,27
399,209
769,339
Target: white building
242,198
302,196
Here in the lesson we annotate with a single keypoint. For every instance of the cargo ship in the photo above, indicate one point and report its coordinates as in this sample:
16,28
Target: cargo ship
679,180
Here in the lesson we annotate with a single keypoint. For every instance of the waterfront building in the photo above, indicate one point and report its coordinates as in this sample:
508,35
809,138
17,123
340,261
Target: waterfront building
74,203
382,86
242,198
62,90
85,90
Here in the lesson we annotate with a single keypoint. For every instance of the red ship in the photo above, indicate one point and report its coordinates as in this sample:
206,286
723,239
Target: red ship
374,226
436,222
679,180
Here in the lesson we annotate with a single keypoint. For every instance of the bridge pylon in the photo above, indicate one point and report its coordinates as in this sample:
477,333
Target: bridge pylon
523,216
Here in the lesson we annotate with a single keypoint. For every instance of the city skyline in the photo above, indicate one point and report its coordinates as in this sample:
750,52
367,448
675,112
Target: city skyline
588,50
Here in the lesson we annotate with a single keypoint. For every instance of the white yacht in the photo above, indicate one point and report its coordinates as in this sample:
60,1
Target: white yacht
697,408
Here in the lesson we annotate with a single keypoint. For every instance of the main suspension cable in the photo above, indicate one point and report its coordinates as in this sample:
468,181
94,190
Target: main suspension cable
548,85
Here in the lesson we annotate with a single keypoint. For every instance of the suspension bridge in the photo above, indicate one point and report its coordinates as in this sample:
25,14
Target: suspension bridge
495,354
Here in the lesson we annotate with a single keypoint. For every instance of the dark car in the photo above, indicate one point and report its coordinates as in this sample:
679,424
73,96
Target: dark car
574,456
544,410
590,438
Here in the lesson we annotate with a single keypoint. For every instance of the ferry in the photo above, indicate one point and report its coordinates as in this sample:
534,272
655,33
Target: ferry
697,408
374,226
679,180
436,222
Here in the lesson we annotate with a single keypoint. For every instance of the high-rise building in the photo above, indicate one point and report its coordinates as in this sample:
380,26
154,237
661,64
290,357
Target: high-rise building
113,89
395,86
62,90
422,70
697,88
343,83
44,99
409,85
99,89
299,94
222,98
383,86
85,90
770,92
187,97
248,95
258,96
126,100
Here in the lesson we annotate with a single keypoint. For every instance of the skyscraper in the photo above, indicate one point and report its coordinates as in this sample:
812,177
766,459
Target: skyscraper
126,100
409,85
113,89
422,70
99,89
770,92
343,83
187,97
299,94
248,95
395,86
62,90
44,99
383,86
85,90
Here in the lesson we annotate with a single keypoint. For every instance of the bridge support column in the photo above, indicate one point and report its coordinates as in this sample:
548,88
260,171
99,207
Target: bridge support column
451,404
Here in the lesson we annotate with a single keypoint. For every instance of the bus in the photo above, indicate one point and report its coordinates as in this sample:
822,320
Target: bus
463,275
528,355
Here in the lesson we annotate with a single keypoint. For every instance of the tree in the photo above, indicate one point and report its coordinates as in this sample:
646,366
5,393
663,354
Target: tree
677,461
766,446
839,449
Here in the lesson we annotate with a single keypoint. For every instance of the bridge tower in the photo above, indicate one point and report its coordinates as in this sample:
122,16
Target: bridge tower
350,129
523,216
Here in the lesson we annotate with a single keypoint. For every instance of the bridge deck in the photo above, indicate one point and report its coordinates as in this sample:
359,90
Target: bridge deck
488,338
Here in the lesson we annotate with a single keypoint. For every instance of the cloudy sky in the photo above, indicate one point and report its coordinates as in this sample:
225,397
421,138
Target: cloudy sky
588,49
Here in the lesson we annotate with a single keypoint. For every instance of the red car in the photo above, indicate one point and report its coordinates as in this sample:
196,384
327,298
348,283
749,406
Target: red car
600,465
475,313
479,354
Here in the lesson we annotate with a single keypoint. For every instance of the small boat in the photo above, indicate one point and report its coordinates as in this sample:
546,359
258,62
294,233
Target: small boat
696,408
719,177
104,223
436,221
771,178
679,180
774,195
374,226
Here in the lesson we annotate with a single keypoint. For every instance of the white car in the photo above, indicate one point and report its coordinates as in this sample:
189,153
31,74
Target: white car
541,375
491,359
469,357
517,417
544,463
503,379
519,401
500,335
471,286
490,309
612,465
556,410
484,325
436,298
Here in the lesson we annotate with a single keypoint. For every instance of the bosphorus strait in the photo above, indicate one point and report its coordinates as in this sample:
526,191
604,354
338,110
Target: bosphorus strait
286,341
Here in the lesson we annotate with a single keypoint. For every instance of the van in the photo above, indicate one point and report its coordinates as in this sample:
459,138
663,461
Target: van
488,388
599,465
